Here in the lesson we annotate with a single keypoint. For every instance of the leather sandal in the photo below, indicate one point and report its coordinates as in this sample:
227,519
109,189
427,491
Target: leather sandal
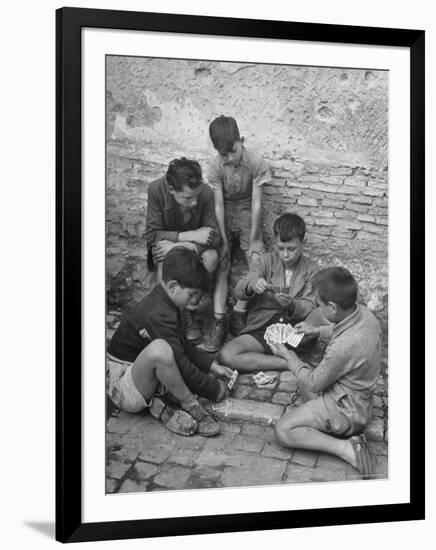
207,426
176,420
364,461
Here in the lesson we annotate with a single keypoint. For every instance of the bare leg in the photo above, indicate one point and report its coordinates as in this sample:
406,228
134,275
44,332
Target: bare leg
246,354
221,287
159,272
297,429
156,364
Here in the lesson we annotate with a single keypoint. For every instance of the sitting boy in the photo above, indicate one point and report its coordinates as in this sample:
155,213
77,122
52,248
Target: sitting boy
279,289
340,388
236,175
148,350
181,212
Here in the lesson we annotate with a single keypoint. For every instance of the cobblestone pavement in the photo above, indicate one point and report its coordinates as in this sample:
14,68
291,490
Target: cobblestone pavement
142,455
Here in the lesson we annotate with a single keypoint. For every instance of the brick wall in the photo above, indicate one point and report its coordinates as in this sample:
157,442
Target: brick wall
322,130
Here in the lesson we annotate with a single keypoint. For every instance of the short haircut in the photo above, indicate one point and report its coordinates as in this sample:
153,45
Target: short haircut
289,226
224,132
182,172
185,267
337,285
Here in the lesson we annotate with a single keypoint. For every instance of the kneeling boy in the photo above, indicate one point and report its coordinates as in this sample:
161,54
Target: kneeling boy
148,351
342,385
279,289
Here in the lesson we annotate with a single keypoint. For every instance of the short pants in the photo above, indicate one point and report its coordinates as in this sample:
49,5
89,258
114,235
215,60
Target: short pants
238,225
121,388
331,417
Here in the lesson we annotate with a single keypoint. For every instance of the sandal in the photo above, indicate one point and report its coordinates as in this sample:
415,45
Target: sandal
207,426
364,462
174,419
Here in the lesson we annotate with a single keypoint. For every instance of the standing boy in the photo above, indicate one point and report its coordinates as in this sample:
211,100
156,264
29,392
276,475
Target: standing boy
236,175
148,350
181,212
341,387
278,289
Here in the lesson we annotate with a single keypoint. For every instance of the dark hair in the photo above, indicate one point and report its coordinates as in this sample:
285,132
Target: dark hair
185,267
224,132
289,226
337,285
184,172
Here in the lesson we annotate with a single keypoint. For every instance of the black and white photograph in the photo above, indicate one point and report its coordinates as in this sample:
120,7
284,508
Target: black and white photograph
247,255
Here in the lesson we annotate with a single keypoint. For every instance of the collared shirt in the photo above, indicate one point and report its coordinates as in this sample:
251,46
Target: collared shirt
263,307
165,218
350,368
237,182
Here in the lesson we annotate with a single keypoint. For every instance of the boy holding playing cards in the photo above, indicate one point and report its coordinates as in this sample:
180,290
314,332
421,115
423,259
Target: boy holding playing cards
279,291
339,390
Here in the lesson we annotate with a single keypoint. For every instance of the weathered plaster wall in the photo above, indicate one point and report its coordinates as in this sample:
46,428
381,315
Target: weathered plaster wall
323,131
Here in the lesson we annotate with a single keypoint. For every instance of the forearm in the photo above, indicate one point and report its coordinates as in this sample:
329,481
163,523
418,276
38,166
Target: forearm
219,211
256,210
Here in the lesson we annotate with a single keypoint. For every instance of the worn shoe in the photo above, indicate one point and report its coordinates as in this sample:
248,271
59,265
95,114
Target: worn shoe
215,339
191,327
207,426
238,321
176,420
364,461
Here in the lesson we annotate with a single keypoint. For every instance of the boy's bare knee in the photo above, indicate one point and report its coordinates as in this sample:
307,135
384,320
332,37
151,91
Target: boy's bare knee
161,351
210,260
225,356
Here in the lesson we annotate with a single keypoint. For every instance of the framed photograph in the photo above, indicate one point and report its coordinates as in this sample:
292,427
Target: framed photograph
240,242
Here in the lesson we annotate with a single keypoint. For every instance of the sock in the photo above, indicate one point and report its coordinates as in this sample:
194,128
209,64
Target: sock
219,315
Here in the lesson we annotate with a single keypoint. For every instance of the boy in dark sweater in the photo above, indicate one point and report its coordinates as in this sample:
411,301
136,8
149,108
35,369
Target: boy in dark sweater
339,390
149,350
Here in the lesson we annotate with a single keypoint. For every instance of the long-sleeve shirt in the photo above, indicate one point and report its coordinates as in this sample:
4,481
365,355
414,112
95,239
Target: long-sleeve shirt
263,307
165,219
157,317
350,367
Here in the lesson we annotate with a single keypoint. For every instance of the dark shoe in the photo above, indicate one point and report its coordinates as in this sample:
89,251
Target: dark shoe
191,327
238,321
215,339
207,426
364,461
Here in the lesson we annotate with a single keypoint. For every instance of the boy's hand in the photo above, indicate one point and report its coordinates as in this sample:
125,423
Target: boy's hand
204,235
221,371
307,329
285,300
259,286
280,350
162,249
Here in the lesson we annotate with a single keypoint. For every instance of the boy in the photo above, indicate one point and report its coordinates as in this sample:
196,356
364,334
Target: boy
236,175
148,349
181,212
340,388
286,269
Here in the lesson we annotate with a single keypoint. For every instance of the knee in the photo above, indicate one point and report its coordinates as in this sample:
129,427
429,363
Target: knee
226,355
210,260
161,352
280,433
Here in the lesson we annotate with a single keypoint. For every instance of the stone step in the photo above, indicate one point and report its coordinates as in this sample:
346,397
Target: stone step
246,410
267,414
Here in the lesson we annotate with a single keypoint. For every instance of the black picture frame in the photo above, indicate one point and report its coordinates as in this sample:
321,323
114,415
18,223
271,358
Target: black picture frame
69,22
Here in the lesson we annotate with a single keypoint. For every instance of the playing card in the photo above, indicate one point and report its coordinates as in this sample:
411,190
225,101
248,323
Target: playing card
261,378
232,380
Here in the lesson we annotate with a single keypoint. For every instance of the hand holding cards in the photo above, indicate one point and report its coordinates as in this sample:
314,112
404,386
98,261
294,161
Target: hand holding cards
281,333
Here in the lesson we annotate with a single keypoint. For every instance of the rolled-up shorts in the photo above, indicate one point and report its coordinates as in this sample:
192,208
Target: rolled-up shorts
238,226
331,418
121,387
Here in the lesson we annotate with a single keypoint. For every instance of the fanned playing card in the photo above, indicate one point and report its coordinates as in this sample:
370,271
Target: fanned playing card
281,333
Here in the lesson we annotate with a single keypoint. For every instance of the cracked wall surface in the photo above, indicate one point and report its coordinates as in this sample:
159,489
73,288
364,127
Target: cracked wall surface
324,132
